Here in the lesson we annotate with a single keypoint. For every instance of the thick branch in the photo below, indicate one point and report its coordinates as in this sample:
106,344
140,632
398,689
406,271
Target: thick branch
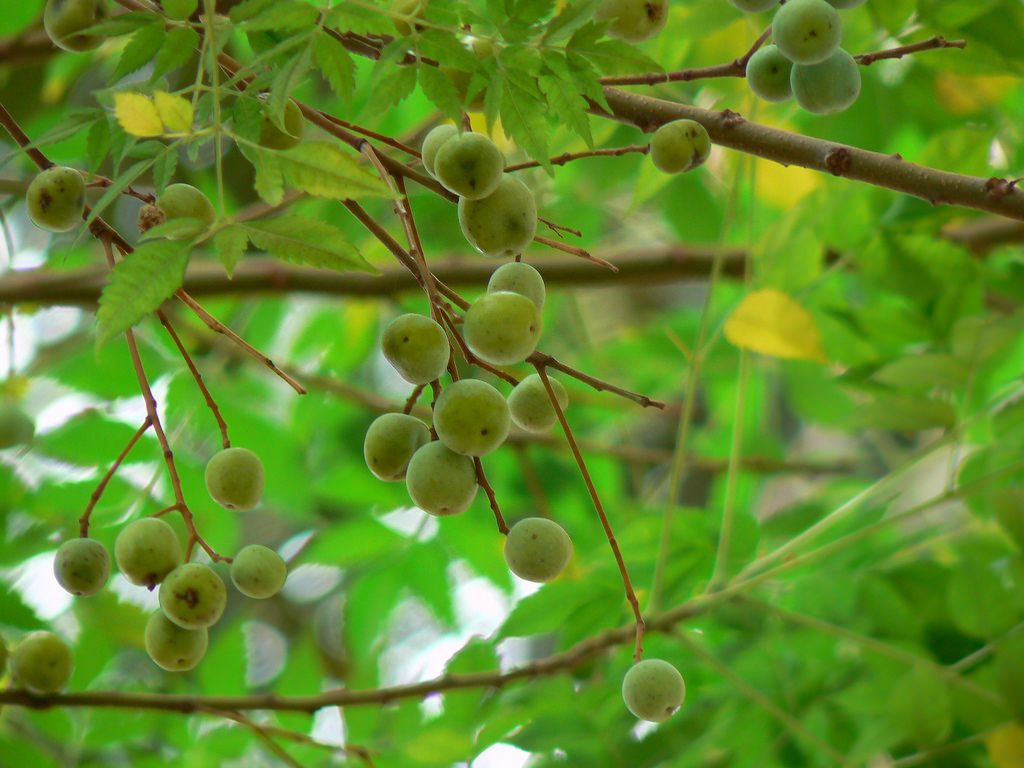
732,130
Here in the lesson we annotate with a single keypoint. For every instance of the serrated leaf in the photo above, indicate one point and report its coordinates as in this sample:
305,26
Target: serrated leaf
522,117
287,80
311,242
175,229
609,56
98,144
141,49
269,181
439,88
123,24
335,64
230,244
570,18
175,112
324,169
180,9
391,89
771,323
249,9
567,106
137,114
117,186
283,16
139,284
181,44
163,169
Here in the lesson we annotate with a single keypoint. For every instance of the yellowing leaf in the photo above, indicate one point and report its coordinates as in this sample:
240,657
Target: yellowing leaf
1006,747
770,322
137,114
174,111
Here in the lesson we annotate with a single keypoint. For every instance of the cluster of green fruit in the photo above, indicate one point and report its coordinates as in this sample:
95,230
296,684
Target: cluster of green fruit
148,553
805,61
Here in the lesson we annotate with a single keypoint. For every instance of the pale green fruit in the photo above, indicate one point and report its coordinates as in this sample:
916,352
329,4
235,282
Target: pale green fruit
417,347
193,596
41,663
470,165
183,201
407,14
390,442
831,86
272,137
653,690
146,551
768,73
807,31
471,417
679,146
519,277
56,199
502,328
234,478
754,6
82,566
537,549
441,482
16,428
174,648
258,572
846,3
504,222
64,20
634,20
530,405
433,141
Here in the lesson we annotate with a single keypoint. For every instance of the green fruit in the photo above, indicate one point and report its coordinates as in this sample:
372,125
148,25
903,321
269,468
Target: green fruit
653,690
471,417
258,571
681,145
633,20
183,201
41,663
504,222
831,86
174,648
234,478
16,428
271,135
391,441
65,19
433,141
754,6
417,347
146,551
470,165
807,31
519,277
768,73
537,549
56,199
82,566
441,482
530,405
846,3
193,596
406,14
502,328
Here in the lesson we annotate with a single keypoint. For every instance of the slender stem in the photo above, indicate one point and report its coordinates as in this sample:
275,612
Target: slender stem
627,583
719,573
83,521
541,359
210,402
260,732
568,157
481,478
928,756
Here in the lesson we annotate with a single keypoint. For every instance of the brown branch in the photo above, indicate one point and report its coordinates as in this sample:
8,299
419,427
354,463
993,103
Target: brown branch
729,129
541,360
568,157
638,649
83,521
482,480
932,43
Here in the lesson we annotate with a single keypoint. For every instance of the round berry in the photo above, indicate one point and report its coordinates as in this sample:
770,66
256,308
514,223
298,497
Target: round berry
390,442
234,478
174,648
433,142
273,137
504,222
64,21
502,328
519,277
633,20
440,481
146,551
471,417
530,405
537,549
831,86
653,690
258,572
681,145
807,31
41,663
768,74
183,201
193,596
56,199
470,165
82,566
417,347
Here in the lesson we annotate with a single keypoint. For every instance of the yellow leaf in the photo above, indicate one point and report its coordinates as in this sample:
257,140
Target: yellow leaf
770,322
137,114
175,112
1006,747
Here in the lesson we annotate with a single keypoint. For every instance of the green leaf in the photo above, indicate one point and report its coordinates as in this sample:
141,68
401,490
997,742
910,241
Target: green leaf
439,88
324,169
122,24
163,169
980,603
287,79
921,707
269,181
230,244
141,49
139,284
178,48
924,372
609,56
567,106
180,9
311,242
336,65
1010,673
283,16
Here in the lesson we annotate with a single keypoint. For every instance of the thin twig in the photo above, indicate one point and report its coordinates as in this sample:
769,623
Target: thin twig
83,521
540,359
568,157
481,478
612,542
